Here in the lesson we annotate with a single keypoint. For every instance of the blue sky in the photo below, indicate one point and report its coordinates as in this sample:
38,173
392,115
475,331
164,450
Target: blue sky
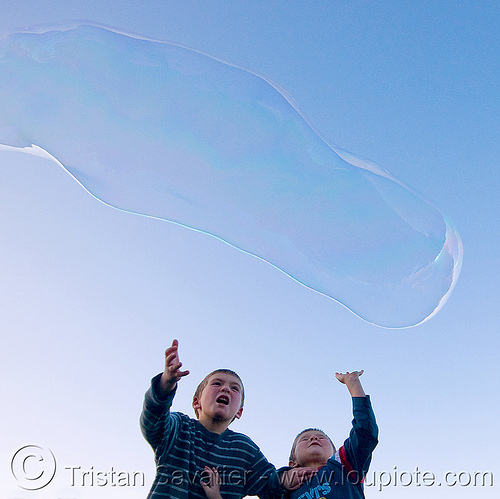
93,296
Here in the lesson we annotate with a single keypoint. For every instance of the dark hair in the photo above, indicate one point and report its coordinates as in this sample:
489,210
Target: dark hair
203,384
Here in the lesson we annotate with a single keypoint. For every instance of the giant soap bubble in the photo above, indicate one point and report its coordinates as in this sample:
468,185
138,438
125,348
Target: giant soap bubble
160,130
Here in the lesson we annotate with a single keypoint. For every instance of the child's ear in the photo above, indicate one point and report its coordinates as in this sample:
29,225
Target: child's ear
292,463
239,413
196,404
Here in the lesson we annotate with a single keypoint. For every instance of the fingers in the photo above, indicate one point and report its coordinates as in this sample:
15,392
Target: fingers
172,349
181,374
354,373
294,478
172,359
206,478
172,362
174,369
306,472
210,478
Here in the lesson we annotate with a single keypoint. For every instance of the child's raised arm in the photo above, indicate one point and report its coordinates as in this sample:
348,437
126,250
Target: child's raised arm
351,380
172,373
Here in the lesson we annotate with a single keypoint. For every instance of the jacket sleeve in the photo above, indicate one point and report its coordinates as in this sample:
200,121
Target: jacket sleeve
263,480
356,453
157,425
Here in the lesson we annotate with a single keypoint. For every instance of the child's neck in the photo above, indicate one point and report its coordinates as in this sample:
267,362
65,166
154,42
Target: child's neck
315,464
214,426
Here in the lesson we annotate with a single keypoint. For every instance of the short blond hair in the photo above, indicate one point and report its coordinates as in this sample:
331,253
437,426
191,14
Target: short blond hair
204,382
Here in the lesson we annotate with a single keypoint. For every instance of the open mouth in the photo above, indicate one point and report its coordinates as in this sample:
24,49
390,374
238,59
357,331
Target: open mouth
223,399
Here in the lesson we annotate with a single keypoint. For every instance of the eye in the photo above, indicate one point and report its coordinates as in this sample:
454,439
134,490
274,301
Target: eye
236,388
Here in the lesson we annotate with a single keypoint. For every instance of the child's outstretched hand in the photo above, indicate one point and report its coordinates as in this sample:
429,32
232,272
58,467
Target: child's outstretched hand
211,483
346,377
172,372
351,380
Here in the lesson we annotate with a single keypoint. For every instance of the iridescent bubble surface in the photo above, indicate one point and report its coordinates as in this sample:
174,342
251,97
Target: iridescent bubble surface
160,130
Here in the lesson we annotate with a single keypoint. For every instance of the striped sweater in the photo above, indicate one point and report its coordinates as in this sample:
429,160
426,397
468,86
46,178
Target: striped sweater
183,447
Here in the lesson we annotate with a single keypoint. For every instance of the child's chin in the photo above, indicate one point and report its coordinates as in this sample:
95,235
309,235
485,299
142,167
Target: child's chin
221,416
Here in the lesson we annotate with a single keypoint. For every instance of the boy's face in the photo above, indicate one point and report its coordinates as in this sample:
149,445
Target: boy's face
313,447
220,400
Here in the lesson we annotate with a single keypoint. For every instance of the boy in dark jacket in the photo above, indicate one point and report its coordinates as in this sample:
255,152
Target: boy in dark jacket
340,473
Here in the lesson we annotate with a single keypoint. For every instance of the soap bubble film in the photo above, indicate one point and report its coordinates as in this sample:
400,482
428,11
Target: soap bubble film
160,130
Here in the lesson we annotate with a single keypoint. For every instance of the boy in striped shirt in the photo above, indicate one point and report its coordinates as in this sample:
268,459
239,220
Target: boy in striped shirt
184,447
